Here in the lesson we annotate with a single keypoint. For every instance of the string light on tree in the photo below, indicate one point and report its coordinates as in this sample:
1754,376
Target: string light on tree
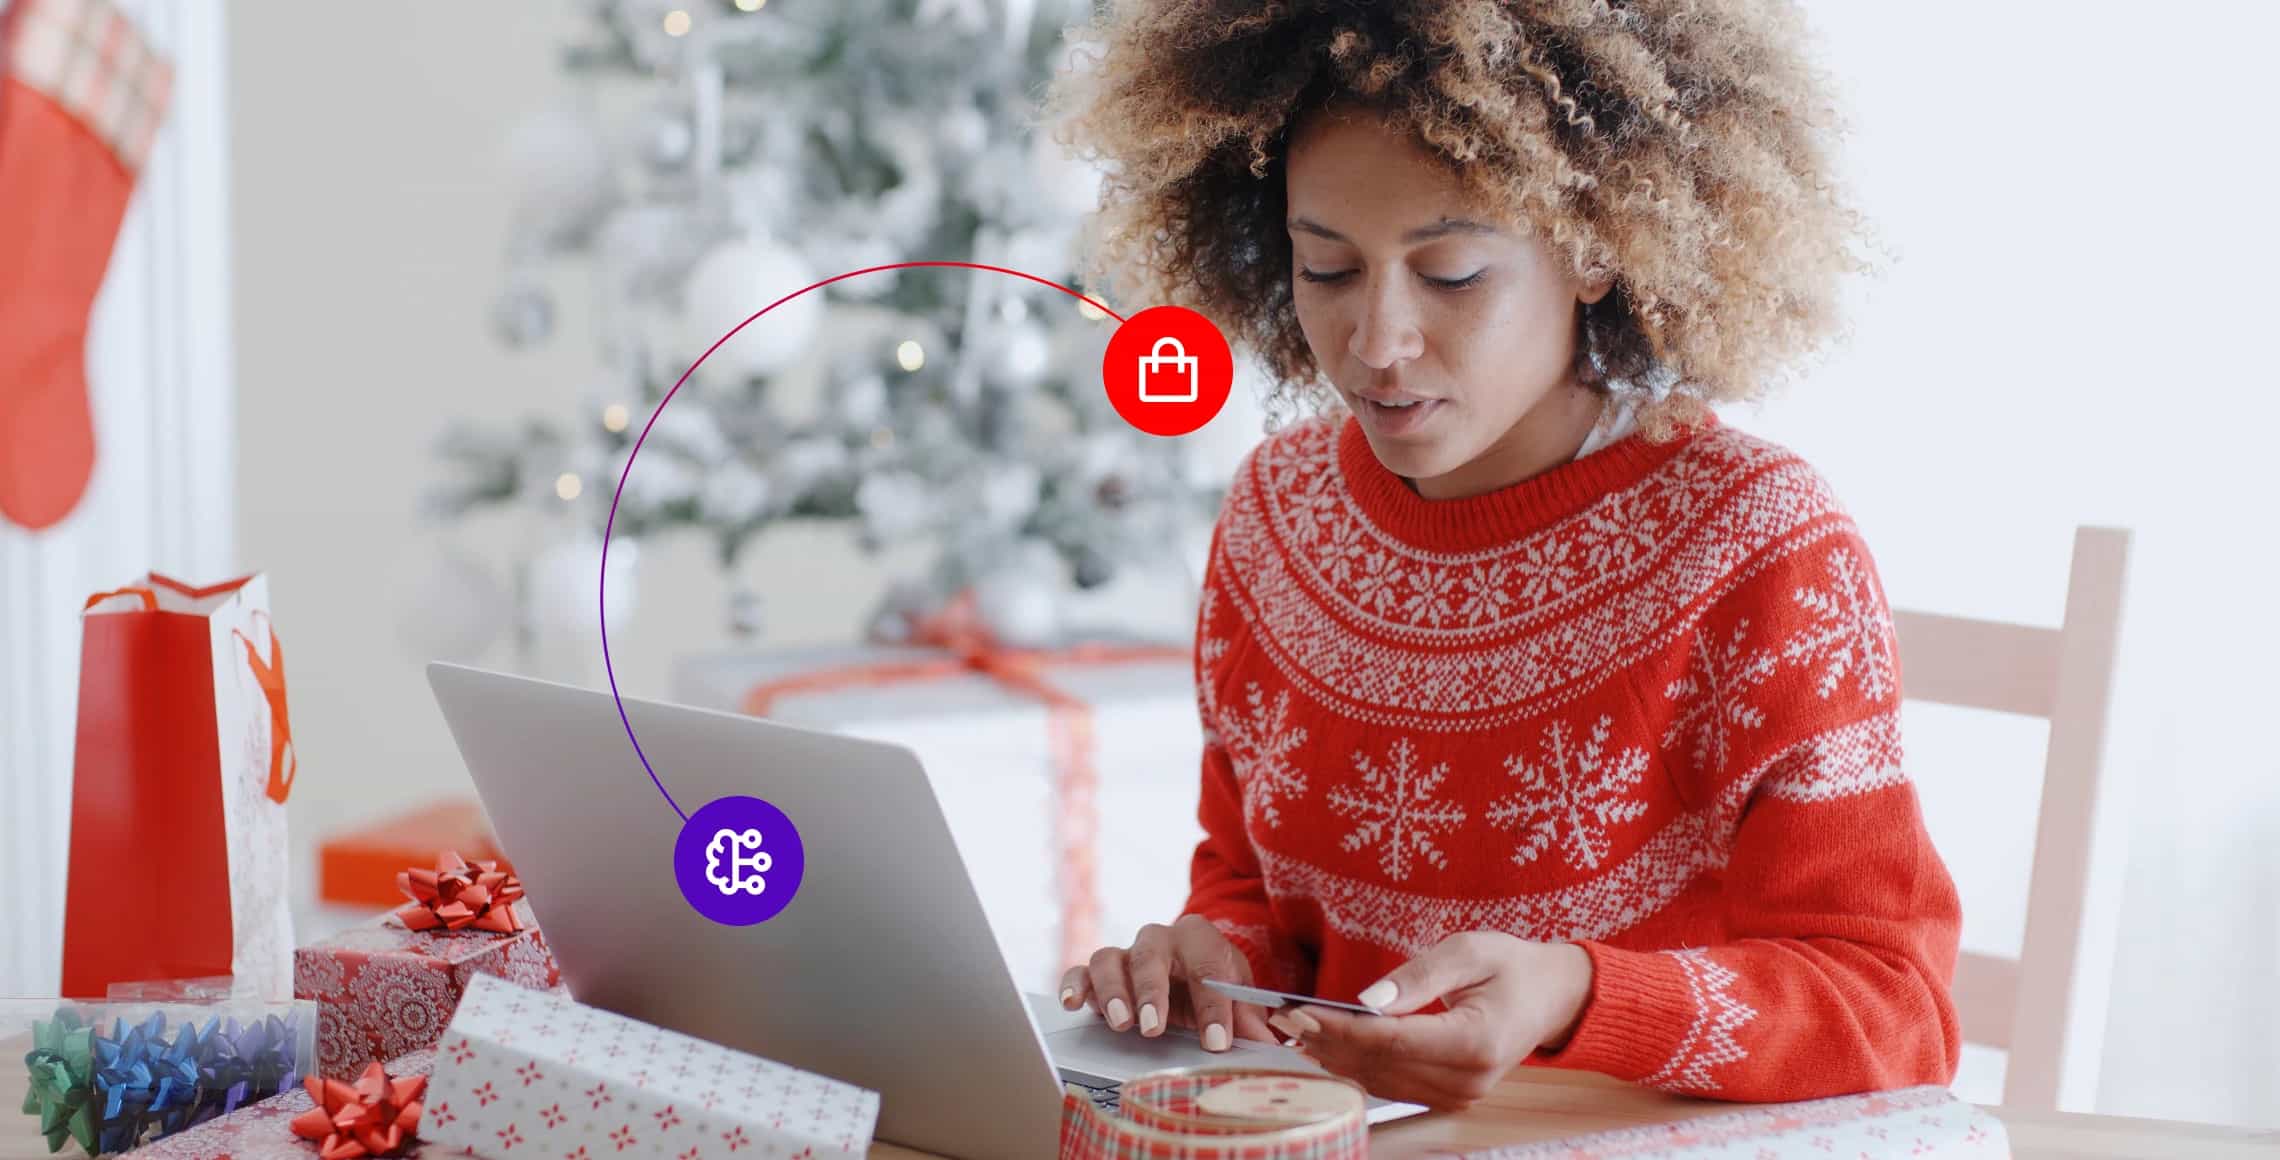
1090,312
615,418
750,5
677,23
909,355
567,486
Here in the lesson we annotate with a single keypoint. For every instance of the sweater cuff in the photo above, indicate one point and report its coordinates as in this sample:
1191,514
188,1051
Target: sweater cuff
1639,1012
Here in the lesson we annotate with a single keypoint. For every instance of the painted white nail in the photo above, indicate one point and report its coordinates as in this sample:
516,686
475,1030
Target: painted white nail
1118,1014
1380,993
1069,997
1215,1037
1149,1020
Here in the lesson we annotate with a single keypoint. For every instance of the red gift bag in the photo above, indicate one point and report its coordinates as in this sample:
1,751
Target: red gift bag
183,762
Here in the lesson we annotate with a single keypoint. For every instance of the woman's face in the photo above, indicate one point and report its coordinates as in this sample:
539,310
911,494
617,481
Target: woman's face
1441,329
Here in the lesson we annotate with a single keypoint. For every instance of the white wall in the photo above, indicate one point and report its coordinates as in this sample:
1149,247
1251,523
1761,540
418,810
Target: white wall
158,372
2081,254
2067,340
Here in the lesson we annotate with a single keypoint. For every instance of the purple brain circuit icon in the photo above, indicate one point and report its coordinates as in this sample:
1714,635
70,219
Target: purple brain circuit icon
739,861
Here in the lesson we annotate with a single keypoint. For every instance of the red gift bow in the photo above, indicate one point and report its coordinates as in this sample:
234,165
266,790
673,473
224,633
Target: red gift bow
458,894
375,1116
959,628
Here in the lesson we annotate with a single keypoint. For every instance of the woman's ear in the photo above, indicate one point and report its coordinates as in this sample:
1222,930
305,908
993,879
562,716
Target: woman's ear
1591,292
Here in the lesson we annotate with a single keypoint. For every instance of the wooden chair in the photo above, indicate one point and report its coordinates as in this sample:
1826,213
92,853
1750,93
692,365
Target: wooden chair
2065,676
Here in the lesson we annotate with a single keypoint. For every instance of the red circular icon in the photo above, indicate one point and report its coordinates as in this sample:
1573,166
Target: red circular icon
1167,370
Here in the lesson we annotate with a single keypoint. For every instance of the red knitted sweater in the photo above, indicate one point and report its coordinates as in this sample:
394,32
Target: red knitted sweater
1647,702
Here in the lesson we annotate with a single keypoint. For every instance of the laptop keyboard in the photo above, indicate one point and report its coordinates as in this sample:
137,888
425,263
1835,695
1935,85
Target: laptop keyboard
1103,1091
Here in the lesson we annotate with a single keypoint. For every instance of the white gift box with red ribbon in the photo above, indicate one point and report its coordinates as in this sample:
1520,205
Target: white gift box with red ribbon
1068,777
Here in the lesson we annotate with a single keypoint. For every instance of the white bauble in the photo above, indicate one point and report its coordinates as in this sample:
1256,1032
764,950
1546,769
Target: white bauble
1009,494
735,494
450,607
1017,355
559,164
963,131
563,577
666,137
729,284
862,402
1021,600
646,249
894,504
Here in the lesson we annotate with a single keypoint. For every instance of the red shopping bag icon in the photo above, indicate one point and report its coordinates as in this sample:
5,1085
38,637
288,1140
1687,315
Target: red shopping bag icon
1168,378
1167,370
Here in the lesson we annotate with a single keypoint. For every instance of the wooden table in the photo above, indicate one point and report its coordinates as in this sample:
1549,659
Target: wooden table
1545,1104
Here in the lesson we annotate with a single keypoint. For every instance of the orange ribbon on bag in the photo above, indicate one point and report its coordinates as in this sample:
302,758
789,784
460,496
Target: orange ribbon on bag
973,649
284,761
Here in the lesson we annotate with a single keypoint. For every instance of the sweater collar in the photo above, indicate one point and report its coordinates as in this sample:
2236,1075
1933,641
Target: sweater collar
1499,517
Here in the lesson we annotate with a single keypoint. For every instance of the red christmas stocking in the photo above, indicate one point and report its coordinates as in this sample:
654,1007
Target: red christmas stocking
81,95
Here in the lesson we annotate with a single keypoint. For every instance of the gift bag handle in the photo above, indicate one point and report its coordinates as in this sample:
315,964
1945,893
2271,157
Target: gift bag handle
284,761
149,598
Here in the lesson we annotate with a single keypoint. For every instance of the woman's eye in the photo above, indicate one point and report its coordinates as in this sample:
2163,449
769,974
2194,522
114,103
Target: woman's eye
1455,283
1324,275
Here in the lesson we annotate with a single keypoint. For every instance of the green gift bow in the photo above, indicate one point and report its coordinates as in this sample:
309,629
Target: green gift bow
62,1066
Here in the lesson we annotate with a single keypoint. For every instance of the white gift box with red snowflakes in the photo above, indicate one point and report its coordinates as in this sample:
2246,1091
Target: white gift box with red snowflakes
524,1073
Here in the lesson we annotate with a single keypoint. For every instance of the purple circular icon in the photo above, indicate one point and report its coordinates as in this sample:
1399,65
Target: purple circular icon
738,860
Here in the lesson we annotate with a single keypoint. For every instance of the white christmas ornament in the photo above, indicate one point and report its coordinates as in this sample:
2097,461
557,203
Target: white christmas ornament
560,166
563,578
1017,355
1020,599
728,286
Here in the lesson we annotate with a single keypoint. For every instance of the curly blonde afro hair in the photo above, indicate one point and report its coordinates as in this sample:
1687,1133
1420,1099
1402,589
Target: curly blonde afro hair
1679,148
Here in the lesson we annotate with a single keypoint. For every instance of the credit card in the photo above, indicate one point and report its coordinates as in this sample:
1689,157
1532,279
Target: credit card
1261,997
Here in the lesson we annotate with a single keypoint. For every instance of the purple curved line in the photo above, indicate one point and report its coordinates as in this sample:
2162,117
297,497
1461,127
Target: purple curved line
603,588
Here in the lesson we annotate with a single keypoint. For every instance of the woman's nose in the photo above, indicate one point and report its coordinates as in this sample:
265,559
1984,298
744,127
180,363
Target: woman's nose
1387,331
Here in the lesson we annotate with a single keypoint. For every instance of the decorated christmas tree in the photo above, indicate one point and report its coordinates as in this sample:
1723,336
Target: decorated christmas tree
762,146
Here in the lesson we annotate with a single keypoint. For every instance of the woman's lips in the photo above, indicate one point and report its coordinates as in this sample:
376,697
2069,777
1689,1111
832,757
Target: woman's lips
1389,419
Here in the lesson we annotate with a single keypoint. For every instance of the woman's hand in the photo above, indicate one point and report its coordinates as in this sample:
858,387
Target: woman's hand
1506,997
1158,983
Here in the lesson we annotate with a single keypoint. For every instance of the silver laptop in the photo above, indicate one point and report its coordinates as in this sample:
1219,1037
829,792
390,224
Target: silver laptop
881,972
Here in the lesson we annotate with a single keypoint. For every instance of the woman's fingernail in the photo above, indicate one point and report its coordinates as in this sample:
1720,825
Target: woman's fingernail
1291,1042
1281,1024
1118,1014
1069,998
1306,1024
1215,1037
1380,993
1149,1020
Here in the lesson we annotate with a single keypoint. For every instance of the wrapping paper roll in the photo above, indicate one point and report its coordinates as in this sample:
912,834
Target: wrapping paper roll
1230,1113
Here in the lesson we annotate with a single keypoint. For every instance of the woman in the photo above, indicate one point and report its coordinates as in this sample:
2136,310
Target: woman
1542,712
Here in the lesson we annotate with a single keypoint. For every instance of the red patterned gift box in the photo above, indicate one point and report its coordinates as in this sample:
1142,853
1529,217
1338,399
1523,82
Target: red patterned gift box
263,1131
383,990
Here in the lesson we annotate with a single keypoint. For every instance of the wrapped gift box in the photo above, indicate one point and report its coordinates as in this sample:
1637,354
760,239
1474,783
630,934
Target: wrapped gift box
263,1131
1913,1122
994,752
383,990
521,1071
358,867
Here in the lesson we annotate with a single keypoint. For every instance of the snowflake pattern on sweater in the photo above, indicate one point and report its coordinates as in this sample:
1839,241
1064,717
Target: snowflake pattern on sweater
1646,702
